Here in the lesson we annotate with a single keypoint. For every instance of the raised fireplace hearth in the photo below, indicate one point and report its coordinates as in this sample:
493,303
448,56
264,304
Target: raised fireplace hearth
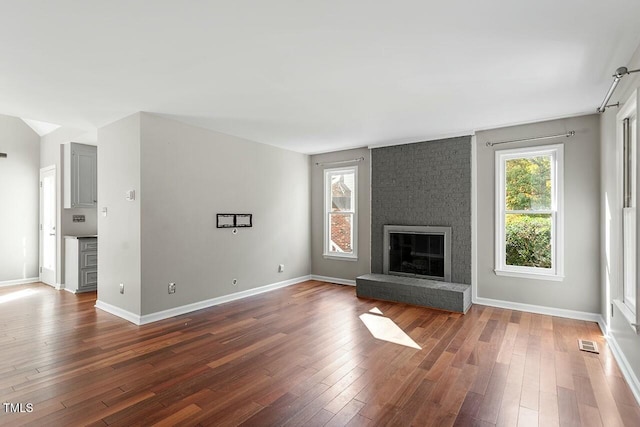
410,290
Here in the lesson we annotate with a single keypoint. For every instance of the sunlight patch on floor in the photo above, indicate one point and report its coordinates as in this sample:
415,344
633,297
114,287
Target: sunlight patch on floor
16,295
385,329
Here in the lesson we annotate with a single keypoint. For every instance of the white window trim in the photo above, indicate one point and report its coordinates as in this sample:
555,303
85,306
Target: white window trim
354,225
628,109
556,273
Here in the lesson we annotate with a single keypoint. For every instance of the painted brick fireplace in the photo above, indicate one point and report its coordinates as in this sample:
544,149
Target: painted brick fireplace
424,184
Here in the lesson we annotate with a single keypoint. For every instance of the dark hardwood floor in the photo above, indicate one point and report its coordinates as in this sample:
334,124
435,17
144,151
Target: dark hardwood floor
301,356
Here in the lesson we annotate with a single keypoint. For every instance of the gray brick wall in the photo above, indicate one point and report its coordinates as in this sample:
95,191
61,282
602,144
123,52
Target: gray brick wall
426,183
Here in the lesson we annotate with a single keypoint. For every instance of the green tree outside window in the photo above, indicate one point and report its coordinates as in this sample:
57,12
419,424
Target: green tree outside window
528,218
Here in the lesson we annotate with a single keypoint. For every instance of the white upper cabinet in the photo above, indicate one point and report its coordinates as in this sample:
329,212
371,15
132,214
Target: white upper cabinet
80,175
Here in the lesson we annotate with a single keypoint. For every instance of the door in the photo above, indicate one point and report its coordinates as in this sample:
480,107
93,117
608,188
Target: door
48,232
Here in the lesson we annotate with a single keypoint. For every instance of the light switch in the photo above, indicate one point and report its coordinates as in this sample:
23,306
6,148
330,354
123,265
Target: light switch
104,211
130,195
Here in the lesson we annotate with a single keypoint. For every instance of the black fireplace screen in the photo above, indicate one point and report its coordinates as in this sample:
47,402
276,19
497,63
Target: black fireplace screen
417,254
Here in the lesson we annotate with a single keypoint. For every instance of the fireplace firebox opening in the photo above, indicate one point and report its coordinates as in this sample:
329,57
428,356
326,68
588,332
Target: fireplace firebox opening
418,251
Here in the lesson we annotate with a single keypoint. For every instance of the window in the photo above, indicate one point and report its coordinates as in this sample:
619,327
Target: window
340,221
627,142
529,212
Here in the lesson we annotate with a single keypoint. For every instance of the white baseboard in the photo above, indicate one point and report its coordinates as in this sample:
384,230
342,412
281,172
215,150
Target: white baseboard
165,314
333,280
117,311
539,309
56,286
625,367
19,281
623,363
184,309
603,326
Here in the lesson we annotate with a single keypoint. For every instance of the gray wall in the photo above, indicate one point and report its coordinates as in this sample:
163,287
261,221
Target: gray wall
51,154
19,200
611,224
119,232
188,175
580,288
183,176
335,268
426,183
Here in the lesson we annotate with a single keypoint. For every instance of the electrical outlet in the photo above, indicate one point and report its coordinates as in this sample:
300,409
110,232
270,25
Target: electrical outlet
122,288
172,288
280,268
234,282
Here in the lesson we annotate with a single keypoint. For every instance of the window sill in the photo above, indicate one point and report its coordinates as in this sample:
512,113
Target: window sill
527,275
340,257
628,314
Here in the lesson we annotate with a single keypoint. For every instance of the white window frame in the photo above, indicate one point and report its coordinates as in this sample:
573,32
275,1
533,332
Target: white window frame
354,212
629,310
556,272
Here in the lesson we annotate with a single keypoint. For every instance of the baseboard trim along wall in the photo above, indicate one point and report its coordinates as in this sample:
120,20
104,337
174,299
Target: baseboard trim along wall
184,309
539,309
623,363
336,280
117,311
19,281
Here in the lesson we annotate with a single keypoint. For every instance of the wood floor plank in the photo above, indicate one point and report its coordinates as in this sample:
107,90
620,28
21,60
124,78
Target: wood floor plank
344,416
360,421
527,417
630,414
414,402
452,402
568,411
176,417
602,393
301,355
506,348
490,406
510,405
469,409
548,414
564,370
589,416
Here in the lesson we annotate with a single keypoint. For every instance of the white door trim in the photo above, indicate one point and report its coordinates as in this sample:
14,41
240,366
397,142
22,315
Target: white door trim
48,276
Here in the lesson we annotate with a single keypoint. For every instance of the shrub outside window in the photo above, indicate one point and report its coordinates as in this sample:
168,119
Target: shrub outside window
529,215
340,204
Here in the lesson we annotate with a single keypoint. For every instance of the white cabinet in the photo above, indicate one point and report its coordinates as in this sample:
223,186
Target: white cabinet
80,175
81,263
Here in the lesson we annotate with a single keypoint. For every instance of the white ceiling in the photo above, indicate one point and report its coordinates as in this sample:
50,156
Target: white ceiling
41,128
313,76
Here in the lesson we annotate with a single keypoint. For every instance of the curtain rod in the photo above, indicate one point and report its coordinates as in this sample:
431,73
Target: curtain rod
338,162
567,135
620,73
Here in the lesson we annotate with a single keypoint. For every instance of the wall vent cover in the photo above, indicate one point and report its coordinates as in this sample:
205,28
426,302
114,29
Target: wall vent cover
588,345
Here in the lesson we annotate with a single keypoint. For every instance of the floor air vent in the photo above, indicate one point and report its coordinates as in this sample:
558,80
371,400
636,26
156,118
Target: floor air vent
587,345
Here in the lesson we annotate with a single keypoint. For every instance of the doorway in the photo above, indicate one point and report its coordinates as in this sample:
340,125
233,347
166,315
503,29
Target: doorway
48,240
